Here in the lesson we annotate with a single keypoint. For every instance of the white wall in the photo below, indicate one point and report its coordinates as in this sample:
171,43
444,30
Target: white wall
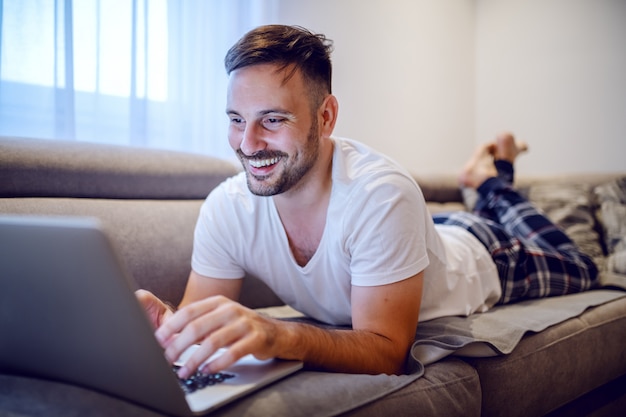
554,71
426,80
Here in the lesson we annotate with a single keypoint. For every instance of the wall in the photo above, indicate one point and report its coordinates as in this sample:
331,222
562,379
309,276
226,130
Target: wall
554,71
425,80
403,74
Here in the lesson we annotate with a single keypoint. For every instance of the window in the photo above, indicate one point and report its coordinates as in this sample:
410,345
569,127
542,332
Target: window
138,72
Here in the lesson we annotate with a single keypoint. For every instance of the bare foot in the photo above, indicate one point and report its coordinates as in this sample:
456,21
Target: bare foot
507,148
480,167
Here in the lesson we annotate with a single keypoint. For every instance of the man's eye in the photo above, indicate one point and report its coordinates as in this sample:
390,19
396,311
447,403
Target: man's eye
273,120
236,120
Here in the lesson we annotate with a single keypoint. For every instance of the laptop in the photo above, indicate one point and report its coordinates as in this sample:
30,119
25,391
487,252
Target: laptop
68,313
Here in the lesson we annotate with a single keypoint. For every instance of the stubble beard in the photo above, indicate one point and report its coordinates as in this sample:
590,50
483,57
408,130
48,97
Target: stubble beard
291,173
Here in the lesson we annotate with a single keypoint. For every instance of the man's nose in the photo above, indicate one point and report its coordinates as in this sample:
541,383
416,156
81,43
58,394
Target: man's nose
252,140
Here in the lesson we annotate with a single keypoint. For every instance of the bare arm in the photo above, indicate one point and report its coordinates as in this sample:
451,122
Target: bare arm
384,322
200,287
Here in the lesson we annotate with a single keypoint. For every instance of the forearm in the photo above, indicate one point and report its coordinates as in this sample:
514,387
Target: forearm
348,351
384,320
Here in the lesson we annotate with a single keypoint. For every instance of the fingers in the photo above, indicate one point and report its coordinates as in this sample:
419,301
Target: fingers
145,298
190,324
155,309
238,347
229,356
214,323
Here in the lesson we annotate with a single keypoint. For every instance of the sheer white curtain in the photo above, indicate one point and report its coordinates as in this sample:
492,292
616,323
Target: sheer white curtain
138,72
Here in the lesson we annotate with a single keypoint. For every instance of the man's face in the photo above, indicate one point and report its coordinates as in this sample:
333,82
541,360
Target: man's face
271,127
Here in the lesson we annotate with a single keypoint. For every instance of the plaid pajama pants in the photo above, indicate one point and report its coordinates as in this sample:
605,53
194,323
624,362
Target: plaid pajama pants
534,257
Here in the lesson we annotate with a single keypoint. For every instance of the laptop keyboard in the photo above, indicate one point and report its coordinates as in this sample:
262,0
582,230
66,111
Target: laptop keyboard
200,380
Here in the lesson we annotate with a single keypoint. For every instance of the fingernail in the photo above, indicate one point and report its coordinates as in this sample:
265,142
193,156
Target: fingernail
183,373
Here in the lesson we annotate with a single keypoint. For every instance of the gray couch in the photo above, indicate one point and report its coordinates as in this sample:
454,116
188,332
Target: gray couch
149,201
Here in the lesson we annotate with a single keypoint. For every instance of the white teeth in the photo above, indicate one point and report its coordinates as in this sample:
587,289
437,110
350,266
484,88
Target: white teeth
260,163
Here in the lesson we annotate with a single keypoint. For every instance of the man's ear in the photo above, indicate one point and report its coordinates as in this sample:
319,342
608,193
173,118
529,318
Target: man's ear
328,115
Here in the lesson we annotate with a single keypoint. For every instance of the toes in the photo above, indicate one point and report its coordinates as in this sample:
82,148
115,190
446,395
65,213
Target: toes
507,148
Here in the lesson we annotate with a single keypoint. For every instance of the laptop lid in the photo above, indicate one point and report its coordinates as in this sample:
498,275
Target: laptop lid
68,312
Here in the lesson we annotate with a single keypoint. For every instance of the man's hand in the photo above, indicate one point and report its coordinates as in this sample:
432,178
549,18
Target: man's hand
158,312
214,323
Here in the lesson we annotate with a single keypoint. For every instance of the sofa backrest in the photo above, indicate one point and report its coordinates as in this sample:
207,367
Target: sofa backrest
51,168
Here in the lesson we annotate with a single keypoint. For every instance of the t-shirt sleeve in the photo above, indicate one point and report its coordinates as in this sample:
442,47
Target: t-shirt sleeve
387,232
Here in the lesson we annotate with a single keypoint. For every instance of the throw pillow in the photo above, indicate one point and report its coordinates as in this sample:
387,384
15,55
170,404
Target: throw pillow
612,199
571,207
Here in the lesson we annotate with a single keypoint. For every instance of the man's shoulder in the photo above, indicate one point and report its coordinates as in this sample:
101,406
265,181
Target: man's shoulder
357,163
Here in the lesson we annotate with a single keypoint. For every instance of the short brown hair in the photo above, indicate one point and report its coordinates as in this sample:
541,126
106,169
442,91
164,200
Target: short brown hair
287,46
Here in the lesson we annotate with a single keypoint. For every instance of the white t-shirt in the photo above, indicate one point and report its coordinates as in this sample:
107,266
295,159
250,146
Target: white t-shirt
378,231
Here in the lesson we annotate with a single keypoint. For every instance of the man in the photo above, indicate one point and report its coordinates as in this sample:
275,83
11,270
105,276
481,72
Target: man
338,231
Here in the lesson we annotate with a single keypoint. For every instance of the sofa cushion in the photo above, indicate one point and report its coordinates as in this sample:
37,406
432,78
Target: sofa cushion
550,368
448,388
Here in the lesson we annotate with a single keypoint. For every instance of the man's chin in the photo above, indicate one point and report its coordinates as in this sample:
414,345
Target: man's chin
260,186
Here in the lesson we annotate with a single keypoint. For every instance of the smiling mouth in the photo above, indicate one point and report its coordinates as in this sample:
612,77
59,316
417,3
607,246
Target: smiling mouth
262,163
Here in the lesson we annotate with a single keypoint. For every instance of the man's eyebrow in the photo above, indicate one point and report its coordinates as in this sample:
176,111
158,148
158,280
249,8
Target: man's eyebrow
276,111
282,112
